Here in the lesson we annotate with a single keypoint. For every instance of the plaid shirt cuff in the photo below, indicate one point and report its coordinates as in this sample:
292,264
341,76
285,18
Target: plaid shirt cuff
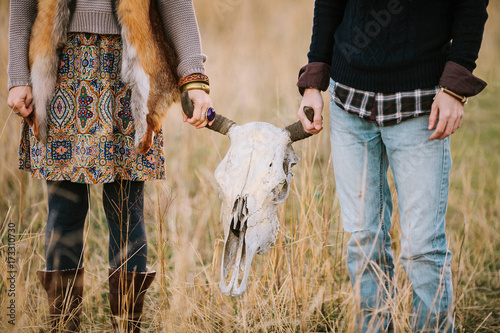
314,75
460,80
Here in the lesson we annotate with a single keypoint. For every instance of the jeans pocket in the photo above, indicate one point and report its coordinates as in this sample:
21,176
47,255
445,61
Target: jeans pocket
331,89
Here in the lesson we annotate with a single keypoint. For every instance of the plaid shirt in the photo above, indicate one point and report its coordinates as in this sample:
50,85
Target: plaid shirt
384,108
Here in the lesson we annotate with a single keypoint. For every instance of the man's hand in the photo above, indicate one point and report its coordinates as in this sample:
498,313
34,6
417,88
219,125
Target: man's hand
450,112
201,103
312,97
20,99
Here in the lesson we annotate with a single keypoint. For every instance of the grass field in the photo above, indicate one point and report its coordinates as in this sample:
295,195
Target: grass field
254,50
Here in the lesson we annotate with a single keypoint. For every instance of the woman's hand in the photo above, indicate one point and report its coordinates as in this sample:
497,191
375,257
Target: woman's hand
20,99
312,97
201,102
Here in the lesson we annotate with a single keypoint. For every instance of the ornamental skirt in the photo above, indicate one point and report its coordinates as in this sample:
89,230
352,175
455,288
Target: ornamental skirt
90,125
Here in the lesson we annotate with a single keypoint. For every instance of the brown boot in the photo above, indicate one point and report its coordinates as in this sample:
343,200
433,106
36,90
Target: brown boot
126,298
64,293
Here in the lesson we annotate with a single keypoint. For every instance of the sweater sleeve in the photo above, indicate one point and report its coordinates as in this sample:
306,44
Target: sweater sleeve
22,16
327,17
181,28
469,17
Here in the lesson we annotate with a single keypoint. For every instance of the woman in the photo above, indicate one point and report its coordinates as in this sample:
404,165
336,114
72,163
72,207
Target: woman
92,80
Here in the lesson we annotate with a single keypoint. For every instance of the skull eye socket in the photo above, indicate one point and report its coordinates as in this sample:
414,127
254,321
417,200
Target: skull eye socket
280,192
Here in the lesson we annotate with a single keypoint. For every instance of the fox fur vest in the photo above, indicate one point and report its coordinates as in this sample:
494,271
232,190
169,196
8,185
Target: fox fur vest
149,63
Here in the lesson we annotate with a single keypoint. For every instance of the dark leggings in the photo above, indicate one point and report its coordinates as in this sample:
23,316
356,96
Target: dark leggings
123,203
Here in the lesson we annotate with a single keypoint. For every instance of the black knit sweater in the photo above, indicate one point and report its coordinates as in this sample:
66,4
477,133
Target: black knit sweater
396,45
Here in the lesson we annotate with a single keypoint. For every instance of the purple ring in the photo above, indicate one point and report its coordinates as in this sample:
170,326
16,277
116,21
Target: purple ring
210,114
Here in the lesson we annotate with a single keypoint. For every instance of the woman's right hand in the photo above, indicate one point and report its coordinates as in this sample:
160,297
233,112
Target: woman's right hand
19,100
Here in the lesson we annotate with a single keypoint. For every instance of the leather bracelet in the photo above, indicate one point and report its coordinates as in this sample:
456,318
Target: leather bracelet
460,98
196,77
196,85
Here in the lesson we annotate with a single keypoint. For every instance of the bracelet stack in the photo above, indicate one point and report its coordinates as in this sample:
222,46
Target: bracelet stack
194,81
462,99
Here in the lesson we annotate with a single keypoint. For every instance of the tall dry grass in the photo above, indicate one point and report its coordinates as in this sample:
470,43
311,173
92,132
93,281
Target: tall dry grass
255,49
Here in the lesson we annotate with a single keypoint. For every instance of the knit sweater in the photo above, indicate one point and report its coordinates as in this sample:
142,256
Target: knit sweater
96,16
396,45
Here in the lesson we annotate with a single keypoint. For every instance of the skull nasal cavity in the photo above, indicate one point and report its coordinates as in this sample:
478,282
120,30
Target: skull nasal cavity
236,228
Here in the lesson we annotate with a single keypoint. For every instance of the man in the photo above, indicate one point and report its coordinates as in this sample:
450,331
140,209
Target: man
399,74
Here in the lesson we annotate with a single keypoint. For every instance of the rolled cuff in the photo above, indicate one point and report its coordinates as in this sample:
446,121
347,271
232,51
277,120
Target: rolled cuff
314,75
460,80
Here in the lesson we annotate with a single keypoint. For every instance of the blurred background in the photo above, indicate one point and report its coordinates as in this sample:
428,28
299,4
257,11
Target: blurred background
255,49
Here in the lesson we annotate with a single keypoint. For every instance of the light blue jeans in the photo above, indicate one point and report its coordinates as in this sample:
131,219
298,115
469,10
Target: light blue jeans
362,153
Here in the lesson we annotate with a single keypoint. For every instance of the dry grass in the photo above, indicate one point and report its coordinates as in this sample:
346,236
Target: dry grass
255,49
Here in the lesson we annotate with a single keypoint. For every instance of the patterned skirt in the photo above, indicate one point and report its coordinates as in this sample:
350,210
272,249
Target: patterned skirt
90,126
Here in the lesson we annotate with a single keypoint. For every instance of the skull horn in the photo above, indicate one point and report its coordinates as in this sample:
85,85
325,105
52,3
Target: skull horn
296,130
221,124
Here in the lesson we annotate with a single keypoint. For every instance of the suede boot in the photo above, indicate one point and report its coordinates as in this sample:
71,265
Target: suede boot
64,292
126,298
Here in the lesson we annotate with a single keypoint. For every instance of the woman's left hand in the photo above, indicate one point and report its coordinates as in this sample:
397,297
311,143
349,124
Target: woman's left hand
201,102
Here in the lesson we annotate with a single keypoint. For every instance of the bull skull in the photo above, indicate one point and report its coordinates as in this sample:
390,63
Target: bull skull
254,178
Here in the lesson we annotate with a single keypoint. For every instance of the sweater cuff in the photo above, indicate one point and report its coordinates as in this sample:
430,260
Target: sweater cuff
17,82
460,80
191,65
314,75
